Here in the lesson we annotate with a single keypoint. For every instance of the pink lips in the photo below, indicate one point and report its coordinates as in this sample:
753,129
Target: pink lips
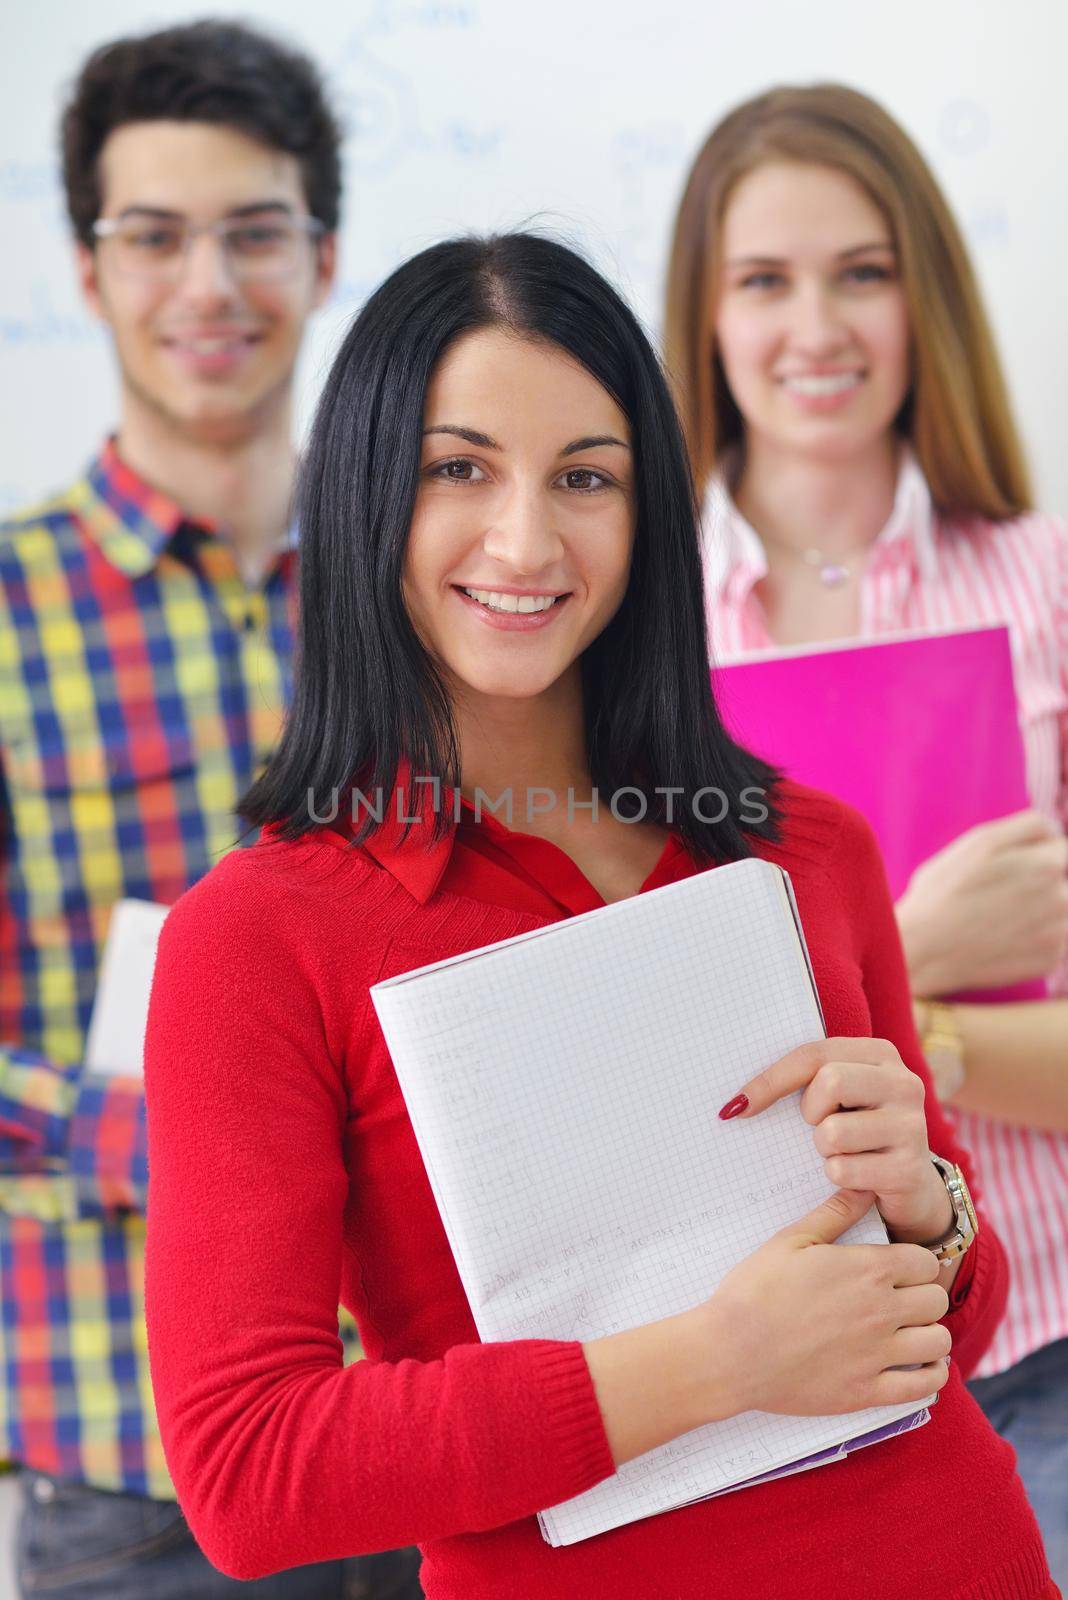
511,621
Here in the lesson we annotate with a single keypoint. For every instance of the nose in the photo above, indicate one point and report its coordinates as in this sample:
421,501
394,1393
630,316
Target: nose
206,274
816,325
522,536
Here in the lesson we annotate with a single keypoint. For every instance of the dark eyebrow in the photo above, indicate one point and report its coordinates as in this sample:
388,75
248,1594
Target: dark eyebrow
472,435
254,209
281,206
483,440
591,442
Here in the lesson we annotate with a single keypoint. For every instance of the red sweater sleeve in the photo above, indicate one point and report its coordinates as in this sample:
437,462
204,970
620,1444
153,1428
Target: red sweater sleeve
977,1300
281,1455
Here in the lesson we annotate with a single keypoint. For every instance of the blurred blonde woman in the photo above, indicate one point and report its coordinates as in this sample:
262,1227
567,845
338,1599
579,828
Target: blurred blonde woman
852,436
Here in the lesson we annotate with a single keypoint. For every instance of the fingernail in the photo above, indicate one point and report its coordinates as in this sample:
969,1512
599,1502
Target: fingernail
735,1107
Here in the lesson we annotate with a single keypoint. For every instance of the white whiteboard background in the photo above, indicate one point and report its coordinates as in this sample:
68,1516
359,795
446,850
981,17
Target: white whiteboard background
582,114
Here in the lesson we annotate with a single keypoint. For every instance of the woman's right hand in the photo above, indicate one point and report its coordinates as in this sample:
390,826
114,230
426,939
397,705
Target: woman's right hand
809,1327
803,1326
990,909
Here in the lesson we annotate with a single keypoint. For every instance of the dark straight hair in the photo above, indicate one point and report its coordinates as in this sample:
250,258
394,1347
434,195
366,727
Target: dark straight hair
223,73
367,695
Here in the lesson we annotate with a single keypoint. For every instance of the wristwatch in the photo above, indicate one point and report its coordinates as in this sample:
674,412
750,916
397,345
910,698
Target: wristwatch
965,1224
943,1047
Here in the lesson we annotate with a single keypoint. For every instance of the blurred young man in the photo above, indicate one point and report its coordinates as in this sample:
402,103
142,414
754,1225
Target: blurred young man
145,650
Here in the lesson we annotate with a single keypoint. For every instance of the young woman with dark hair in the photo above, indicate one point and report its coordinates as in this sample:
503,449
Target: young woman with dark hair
501,596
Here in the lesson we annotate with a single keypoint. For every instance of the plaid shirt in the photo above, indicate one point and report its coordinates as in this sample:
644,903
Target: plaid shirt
142,683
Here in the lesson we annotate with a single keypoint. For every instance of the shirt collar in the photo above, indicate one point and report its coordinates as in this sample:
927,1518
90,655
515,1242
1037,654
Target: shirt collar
912,519
130,521
734,556
406,848
411,853
404,845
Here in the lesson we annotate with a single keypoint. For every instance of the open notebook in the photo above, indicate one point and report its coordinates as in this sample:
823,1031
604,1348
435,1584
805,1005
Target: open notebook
564,1088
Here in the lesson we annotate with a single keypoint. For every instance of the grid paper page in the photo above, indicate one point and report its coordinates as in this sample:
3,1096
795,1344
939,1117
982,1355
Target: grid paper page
564,1088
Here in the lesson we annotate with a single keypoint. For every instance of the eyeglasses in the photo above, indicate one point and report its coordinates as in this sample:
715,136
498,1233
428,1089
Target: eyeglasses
257,249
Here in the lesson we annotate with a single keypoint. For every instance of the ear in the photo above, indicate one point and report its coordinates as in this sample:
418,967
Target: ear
326,269
85,264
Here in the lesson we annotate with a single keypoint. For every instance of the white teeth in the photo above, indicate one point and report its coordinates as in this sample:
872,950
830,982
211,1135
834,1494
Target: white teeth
823,383
524,603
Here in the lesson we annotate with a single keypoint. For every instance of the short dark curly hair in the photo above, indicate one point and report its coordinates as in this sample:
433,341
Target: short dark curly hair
209,71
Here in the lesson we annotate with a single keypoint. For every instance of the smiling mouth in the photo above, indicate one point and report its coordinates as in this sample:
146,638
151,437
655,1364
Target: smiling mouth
521,604
213,344
823,383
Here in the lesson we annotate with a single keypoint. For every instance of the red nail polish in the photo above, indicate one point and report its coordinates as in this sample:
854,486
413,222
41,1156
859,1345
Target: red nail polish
735,1107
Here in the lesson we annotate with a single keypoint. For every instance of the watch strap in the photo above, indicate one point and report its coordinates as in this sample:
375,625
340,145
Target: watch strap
965,1225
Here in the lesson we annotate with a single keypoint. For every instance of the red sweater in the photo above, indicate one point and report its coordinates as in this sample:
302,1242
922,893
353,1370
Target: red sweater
284,1177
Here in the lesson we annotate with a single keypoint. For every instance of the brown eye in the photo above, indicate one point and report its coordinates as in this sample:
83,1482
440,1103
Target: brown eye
456,471
261,238
158,240
584,480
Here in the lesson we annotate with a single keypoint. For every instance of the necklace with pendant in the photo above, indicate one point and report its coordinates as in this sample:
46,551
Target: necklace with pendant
832,573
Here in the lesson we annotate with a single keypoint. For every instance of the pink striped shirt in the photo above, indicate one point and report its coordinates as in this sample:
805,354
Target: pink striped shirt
929,572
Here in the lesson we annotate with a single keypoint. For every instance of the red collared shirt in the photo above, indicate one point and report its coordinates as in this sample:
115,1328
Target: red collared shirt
284,1169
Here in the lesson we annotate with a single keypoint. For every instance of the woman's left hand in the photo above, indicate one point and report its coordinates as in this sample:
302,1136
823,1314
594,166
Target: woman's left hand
866,1110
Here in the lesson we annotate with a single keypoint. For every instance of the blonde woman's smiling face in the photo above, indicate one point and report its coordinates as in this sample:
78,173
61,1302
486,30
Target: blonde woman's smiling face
520,546
812,325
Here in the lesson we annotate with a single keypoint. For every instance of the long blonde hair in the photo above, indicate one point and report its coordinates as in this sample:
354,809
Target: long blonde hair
957,416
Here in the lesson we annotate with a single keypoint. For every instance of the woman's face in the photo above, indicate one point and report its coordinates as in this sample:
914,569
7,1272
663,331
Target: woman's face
520,544
811,325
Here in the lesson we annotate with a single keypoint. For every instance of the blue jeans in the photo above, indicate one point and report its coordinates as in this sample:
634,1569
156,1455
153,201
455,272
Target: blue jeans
78,1543
1028,1405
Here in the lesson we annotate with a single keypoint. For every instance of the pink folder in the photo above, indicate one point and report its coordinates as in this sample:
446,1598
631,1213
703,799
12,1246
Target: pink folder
919,732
